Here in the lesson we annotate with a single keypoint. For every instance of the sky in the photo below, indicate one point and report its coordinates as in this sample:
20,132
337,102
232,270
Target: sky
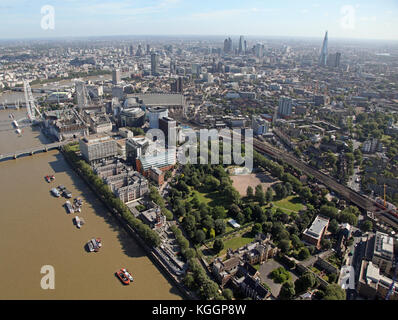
361,19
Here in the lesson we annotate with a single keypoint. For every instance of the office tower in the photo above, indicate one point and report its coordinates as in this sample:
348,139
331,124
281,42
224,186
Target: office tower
258,50
116,76
139,51
154,114
323,58
154,63
334,60
260,126
285,106
177,86
245,46
337,61
97,147
131,50
169,128
173,67
196,69
241,45
228,45
148,49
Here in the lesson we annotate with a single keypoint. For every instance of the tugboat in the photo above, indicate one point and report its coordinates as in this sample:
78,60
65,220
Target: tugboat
127,274
79,221
94,244
67,193
55,192
49,178
122,276
69,206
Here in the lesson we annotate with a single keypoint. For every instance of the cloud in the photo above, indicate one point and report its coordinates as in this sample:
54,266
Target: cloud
367,19
125,8
229,13
304,11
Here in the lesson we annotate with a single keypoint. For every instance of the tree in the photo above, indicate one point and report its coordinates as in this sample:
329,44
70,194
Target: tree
305,282
328,211
367,226
211,182
348,217
189,281
326,244
218,245
248,213
333,226
334,292
267,227
218,212
259,194
220,226
269,195
233,210
208,290
280,191
208,222
249,192
228,294
332,277
200,236
303,254
257,228
280,275
258,214
296,242
240,218
189,224
284,245
232,194
305,194
287,291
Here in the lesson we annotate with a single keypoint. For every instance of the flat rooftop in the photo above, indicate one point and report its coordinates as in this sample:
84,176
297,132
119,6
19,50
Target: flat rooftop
317,227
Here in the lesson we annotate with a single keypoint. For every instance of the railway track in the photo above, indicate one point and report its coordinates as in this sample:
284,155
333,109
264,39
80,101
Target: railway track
349,194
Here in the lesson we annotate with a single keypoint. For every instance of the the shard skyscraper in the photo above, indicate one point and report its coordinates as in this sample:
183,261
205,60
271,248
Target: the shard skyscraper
323,58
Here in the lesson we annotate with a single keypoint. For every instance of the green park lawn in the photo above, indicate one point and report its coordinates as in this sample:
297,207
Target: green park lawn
236,242
212,199
290,204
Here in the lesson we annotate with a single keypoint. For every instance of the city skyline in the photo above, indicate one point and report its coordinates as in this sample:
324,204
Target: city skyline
359,20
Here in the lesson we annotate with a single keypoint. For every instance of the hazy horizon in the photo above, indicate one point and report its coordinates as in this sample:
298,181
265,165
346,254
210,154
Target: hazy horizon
365,19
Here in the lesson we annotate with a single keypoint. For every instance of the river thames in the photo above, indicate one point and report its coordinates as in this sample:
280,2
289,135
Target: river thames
35,230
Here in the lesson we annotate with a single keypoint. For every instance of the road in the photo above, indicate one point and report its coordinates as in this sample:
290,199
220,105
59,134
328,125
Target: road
349,274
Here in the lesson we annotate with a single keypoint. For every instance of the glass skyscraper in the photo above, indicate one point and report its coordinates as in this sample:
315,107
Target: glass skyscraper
323,58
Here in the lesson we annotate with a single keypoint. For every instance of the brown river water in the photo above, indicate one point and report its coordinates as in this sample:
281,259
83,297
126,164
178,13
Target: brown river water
35,230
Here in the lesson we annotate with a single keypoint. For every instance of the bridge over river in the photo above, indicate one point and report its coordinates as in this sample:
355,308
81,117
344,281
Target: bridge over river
33,150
